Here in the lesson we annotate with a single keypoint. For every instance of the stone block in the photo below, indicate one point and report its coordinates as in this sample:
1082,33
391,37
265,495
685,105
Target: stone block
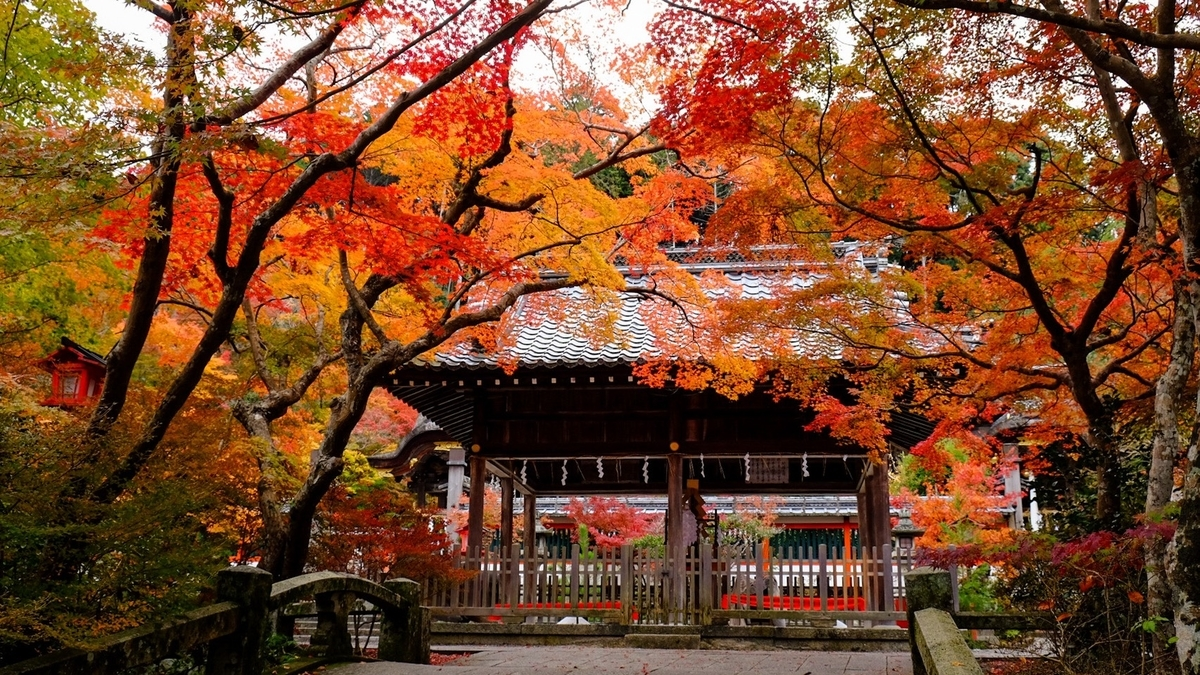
663,640
242,652
943,651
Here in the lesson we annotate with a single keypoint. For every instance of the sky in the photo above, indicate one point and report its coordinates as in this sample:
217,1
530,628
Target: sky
532,68
120,17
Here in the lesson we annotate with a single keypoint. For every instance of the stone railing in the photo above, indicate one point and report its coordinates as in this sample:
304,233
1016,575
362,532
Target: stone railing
236,628
935,625
938,647
941,646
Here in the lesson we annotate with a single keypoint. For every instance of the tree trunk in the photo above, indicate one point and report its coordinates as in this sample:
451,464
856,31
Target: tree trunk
274,522
1164,454
118,370
1183,563
348,410
1099,437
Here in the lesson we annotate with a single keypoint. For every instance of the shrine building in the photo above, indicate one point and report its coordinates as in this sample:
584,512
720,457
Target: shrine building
554,411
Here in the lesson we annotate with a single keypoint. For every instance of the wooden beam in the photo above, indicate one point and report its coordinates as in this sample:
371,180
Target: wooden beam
820,447
552,488
506,470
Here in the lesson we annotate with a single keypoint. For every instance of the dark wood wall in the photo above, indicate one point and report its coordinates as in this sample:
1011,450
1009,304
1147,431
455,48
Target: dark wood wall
541,419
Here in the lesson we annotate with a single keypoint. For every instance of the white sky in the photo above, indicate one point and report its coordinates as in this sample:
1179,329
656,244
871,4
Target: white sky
136,23
605,33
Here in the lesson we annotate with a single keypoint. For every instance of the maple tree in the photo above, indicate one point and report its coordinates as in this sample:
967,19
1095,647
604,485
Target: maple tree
952,485
1145,47
246,167
611,521
1012,251
54,80
487,238
370,526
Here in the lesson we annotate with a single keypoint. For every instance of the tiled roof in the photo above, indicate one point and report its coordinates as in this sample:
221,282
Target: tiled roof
577,326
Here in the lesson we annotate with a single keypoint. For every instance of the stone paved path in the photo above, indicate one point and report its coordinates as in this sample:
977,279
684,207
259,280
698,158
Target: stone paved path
620,661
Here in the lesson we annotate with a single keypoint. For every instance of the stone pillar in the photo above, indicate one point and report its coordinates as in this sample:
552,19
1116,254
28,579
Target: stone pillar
675,538
242,652
506,514
475,512
456,466
926,588
1012,485
332,637
404,635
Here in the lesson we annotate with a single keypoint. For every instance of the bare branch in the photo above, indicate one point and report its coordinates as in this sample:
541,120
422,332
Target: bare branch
280,76
714,17
163,12
1056,14
356,300
219,252
256,347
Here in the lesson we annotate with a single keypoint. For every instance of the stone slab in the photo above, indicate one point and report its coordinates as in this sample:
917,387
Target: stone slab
630,661
663,640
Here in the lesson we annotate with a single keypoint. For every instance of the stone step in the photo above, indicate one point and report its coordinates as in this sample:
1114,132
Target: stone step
663,640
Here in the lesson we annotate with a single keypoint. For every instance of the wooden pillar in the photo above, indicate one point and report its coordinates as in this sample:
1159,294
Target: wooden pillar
529,552
475,510
506,514
675,548
864,532
422,489
879,526
529,532
881,507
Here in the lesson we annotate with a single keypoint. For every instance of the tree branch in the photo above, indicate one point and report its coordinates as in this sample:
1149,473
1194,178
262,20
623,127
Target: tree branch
218,253
356,300
252,100
1054,13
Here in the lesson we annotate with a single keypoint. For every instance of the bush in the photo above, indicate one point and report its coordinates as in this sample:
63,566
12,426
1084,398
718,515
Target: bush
70,569
1094,587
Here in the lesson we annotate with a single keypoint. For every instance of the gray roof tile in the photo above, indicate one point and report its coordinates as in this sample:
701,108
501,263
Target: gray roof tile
566,327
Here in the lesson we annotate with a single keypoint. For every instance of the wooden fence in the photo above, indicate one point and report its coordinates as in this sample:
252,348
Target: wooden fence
630,585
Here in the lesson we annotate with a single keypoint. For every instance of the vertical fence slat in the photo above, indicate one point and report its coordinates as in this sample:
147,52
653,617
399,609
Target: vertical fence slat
889,593
705,579
760,582
823,577
626,584
574,597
